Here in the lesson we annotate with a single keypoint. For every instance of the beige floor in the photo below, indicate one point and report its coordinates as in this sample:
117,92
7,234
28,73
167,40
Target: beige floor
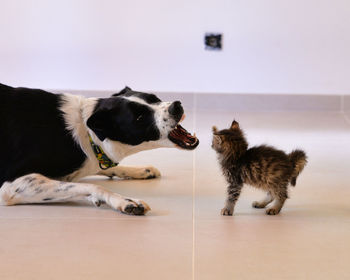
184,237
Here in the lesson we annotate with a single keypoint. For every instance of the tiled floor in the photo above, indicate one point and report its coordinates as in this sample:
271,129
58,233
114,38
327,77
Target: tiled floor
184,237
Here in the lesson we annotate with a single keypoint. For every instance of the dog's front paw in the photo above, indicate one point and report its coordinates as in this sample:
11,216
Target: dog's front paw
272,211
149,172
134,207
226,211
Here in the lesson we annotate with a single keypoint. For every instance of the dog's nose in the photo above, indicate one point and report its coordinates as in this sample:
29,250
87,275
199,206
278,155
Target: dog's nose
176,110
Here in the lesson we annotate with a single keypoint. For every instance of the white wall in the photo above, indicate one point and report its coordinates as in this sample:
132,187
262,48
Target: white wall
270,46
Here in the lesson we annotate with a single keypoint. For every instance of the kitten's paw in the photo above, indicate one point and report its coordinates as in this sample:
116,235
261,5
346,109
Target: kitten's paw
257,204
272,211
226,212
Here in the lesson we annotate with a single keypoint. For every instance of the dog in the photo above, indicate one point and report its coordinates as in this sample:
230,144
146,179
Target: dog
50,141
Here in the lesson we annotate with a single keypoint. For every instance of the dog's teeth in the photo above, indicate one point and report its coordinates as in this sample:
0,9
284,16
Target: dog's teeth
194,135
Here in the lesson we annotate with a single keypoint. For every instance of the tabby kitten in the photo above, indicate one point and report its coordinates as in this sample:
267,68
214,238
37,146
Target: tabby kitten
263,167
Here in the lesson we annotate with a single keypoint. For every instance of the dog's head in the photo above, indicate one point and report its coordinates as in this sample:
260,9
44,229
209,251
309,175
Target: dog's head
136,121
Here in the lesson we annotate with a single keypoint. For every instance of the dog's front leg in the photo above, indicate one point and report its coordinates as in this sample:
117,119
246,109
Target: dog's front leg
128,172
35,188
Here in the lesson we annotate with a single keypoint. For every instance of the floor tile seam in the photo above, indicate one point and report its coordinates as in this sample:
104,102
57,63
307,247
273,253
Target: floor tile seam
194,187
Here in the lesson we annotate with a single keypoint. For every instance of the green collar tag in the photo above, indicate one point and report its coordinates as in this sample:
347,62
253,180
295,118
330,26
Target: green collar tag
104,161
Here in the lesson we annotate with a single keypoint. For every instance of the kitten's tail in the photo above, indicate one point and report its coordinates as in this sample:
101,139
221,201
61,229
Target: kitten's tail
299,160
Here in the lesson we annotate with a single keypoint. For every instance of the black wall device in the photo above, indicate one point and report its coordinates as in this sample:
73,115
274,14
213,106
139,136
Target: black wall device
213,41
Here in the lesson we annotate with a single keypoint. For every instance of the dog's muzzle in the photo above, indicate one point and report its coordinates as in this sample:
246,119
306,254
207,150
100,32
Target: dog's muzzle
180,136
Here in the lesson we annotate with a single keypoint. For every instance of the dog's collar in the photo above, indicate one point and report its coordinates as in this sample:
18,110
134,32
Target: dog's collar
104,161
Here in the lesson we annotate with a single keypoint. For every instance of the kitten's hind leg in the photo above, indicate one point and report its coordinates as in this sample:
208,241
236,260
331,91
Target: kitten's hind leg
280,195
233,192
262,204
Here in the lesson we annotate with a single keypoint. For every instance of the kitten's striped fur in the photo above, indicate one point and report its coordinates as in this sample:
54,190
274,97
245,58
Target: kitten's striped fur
263,167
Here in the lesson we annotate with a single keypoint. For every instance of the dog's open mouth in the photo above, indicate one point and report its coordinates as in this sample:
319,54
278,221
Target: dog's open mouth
183,138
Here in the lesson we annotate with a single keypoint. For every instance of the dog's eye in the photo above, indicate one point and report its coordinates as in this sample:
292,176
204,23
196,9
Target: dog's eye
139,118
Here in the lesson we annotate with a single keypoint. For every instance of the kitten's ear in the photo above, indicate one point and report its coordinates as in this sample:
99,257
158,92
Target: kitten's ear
217,139
214,129
234,125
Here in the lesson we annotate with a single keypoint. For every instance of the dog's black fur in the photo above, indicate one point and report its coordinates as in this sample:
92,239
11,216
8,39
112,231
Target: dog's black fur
49,140
33,135
120,120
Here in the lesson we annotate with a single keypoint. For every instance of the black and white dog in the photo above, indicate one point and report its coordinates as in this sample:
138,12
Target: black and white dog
50,140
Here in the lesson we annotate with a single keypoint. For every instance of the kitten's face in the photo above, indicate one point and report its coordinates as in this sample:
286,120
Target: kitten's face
227,140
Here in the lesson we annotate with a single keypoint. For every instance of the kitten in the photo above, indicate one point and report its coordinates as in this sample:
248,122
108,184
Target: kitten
263,167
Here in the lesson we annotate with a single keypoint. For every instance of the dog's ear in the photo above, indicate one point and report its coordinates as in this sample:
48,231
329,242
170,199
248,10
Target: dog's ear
100,122
123,91
234,125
